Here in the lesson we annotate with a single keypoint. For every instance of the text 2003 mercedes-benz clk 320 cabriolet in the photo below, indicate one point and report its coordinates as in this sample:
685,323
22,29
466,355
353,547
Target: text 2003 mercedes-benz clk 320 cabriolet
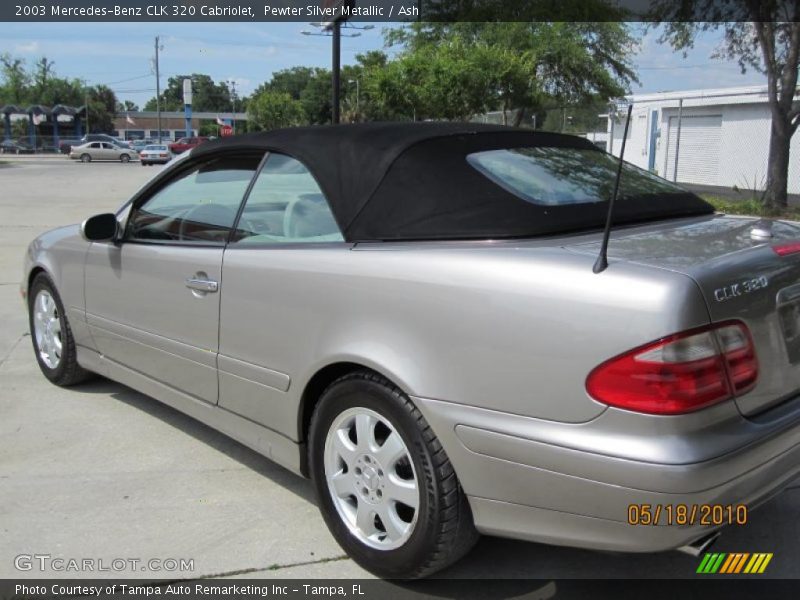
408,314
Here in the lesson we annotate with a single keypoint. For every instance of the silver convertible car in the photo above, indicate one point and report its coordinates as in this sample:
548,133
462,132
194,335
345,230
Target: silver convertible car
408,314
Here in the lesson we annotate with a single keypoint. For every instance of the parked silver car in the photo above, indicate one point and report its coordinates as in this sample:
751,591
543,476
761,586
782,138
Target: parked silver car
102,151
408,314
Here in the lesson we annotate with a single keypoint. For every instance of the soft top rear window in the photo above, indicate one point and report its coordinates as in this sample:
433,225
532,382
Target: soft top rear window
511,185
556,176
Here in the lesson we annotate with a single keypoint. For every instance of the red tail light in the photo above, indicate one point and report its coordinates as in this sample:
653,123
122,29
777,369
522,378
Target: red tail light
680,373
787,249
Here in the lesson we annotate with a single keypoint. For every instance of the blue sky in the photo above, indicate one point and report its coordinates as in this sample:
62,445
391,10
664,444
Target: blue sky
119,54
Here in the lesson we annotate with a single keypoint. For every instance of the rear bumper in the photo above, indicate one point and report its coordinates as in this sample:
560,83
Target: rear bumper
522,487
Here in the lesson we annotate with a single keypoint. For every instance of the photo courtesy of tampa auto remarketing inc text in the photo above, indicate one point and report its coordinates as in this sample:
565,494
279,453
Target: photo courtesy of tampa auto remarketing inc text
400,299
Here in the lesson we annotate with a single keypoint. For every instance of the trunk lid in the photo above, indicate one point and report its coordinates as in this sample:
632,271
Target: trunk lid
741,277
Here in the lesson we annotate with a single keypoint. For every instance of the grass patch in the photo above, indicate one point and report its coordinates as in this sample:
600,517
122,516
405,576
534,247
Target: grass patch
750,207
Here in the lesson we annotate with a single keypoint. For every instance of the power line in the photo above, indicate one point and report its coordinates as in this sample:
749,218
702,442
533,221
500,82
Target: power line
132,91
129,79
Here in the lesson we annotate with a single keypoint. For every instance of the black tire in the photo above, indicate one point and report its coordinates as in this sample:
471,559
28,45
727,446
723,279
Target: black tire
444,530
144,164
125,158
68,371
86,158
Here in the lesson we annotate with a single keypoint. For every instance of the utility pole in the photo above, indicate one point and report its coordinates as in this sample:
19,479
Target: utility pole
158,95
335,60
88,130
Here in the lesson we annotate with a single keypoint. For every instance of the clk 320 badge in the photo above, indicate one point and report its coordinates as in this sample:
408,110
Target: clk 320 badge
741,288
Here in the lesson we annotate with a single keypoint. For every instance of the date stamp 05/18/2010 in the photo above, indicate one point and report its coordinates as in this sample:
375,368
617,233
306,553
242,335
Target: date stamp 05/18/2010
687,514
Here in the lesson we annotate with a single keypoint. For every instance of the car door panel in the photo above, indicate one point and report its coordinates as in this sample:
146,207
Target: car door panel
268,327
153,300
143,315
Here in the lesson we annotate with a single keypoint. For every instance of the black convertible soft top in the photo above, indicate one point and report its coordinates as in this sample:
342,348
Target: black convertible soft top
388,181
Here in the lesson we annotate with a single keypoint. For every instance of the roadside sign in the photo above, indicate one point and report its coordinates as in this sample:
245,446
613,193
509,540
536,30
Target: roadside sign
225,130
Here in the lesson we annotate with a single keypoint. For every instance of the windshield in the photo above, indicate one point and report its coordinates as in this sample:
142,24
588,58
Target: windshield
556,176
156,148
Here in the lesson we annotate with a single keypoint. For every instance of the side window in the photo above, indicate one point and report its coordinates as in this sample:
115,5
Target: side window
95,145
198,206
286,206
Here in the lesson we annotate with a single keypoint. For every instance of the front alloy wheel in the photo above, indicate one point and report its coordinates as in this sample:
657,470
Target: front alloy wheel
51,334
47,329
385,486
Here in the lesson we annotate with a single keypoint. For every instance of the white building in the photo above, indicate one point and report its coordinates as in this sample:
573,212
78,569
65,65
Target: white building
724,137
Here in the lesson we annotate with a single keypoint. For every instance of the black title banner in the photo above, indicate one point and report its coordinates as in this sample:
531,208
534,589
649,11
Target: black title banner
328,11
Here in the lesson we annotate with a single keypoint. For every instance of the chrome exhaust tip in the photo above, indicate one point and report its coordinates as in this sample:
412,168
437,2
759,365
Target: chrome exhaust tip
697,547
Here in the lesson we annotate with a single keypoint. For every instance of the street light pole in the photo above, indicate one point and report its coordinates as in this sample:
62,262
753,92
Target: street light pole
335,31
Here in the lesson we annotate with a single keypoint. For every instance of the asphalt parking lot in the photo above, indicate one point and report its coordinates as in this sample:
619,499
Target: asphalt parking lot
102,472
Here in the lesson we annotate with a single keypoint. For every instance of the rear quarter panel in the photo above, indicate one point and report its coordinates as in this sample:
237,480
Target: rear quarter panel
512,329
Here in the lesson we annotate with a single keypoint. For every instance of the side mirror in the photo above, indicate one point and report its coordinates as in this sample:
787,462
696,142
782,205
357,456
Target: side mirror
100,228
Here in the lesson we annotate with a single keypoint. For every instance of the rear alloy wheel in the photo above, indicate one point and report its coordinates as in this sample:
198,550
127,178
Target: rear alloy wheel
86,158
371,480
51,335
125,158
386,489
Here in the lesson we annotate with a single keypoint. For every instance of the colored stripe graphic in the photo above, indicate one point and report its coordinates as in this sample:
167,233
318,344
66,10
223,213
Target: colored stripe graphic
711,562
704,563
740,564
731,560
734,562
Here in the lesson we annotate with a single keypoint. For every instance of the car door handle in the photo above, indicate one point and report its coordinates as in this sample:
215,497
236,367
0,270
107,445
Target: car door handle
202,285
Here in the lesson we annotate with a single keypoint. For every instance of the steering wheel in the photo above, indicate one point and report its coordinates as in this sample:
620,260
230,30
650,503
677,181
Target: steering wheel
216,215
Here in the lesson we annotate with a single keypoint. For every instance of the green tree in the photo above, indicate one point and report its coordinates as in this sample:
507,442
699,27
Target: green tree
206,94
102,108
272,110
62,91
456,70
16,80
360,97
451,80
127,106
42,75
41,85
763,35
309,86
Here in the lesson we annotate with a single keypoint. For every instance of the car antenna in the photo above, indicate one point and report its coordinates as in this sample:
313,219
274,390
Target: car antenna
601,264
